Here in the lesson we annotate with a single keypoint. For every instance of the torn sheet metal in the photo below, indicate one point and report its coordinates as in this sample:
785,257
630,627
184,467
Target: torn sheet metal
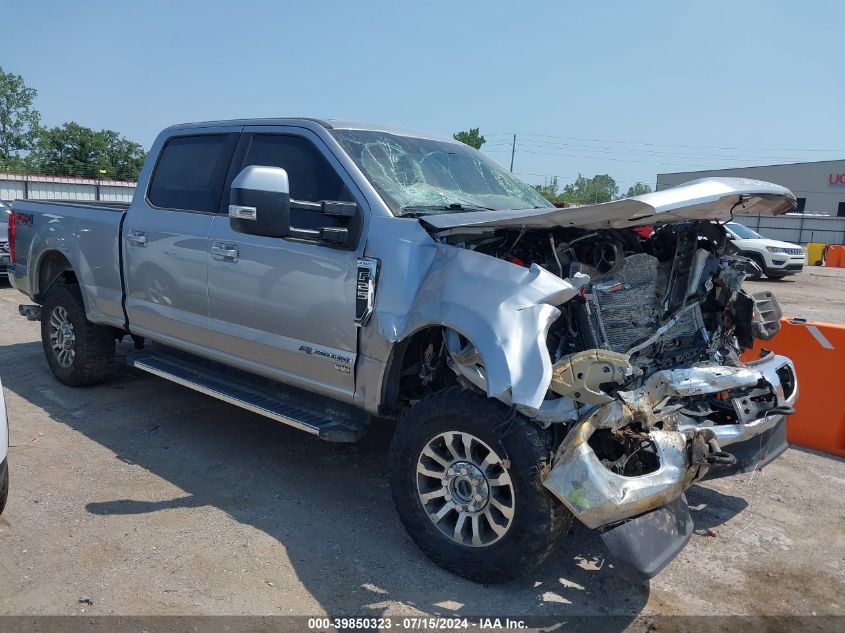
598,496
503,309
702,199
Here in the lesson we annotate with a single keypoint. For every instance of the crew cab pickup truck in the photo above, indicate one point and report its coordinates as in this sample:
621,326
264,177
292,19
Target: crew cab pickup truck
543,364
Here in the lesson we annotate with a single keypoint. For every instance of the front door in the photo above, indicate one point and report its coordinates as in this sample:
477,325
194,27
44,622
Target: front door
285,308
165,240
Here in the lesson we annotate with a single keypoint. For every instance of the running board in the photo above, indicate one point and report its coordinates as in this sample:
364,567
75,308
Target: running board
335,423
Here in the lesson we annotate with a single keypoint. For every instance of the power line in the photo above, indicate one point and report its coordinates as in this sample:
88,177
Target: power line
524,173
619,160
633,152
711,147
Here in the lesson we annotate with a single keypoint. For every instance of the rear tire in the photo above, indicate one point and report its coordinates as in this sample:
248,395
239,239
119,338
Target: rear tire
530,522
78,352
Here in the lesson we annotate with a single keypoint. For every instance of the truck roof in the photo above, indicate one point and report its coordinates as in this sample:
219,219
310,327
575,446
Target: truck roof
309,122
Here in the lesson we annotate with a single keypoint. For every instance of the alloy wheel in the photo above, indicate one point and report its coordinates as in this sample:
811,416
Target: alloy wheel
465,489
62,337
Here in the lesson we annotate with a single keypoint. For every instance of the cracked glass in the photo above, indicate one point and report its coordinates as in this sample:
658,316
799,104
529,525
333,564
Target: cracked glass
418,176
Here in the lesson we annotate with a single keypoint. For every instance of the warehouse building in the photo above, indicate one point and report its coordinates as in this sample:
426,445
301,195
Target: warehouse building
818,186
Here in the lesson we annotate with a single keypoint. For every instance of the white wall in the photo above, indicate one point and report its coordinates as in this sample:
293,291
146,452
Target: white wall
797,228
14,186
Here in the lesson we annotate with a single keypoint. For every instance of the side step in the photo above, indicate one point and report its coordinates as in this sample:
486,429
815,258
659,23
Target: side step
334,422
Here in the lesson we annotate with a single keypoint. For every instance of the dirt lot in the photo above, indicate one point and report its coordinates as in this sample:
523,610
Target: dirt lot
816,294
147,498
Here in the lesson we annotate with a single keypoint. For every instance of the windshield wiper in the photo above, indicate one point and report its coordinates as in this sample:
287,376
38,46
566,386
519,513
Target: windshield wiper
429,209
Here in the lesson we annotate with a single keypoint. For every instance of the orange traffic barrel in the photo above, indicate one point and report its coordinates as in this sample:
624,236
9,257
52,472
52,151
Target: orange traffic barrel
835,256
818,351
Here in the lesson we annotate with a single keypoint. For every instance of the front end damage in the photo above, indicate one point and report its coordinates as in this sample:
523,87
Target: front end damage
646,389
641,504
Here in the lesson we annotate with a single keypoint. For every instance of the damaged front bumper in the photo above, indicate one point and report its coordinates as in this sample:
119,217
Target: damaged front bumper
647,513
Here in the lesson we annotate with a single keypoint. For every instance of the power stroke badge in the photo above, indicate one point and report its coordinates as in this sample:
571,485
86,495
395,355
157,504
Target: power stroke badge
365,289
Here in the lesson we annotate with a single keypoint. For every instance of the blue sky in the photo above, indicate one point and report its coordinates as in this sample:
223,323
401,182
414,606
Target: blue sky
630,89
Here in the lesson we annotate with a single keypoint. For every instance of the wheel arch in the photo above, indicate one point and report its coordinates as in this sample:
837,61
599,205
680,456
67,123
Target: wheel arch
53,266
756,256
399,359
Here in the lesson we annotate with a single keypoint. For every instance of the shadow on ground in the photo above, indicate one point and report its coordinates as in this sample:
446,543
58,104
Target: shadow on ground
328,504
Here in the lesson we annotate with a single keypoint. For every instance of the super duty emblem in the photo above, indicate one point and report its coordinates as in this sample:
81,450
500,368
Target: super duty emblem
365,289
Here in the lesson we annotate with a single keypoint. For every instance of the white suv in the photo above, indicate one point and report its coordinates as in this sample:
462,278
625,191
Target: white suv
775,258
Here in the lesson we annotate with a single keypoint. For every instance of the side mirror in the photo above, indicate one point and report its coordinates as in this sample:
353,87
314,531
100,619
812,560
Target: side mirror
259,203
729,236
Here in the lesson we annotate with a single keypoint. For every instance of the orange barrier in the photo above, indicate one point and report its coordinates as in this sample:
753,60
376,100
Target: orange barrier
818,351
835,256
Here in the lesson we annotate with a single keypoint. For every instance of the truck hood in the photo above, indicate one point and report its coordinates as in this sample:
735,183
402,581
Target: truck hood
703,199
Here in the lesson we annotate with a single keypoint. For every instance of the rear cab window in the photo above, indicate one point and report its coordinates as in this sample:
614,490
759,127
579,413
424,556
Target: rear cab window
191,171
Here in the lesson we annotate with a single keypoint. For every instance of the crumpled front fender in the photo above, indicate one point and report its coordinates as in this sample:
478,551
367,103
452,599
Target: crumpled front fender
504,310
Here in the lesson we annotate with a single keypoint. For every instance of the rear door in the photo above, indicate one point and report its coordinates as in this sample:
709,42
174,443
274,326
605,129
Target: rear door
286,307
165,238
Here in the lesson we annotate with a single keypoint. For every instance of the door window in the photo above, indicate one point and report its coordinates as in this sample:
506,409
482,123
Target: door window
311,177
190,172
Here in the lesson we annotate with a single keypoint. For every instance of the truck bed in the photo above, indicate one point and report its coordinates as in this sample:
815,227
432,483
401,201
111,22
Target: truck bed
85,234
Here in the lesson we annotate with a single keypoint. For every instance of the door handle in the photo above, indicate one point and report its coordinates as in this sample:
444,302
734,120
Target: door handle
138,238
224,252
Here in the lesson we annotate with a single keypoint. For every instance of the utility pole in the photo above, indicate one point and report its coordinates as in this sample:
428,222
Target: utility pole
513,151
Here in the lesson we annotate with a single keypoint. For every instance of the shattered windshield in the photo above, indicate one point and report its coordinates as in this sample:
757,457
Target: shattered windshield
418,176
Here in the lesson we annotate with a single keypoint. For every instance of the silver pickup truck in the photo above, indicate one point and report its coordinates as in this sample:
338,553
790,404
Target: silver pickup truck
543,364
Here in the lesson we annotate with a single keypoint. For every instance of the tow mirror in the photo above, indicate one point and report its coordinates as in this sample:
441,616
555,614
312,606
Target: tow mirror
259,203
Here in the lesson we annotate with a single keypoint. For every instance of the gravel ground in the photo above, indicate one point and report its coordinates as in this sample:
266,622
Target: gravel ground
142,497
815,294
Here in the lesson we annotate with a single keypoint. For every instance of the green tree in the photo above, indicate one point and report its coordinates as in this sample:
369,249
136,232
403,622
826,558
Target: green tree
599,188
124,158
472,138
549,190
76,150
637,189
19,120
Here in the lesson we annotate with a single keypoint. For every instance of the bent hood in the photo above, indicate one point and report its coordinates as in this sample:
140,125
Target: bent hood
703,199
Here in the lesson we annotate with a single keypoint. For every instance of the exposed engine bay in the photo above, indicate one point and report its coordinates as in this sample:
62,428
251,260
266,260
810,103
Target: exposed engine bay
647,384
668,299
650,300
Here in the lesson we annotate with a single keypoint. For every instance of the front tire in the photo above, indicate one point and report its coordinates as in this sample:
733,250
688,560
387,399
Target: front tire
78,351
757,259
466,482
